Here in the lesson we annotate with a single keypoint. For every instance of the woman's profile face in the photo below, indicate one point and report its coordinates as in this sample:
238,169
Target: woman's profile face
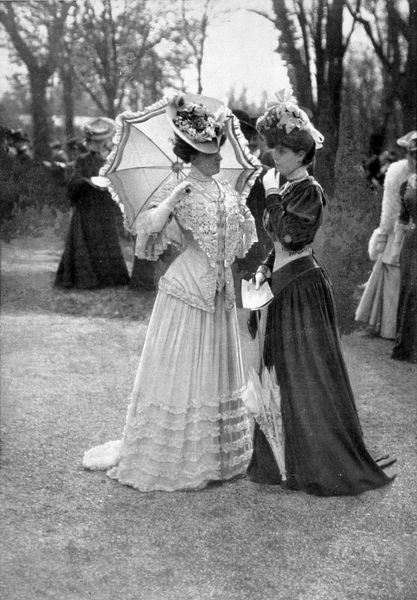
208,164
287,160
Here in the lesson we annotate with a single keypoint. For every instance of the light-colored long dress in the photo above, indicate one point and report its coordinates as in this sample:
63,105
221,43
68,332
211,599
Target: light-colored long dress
379,302
186,424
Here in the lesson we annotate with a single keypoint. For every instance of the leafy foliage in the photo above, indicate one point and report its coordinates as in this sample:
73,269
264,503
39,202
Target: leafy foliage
32,198
352,214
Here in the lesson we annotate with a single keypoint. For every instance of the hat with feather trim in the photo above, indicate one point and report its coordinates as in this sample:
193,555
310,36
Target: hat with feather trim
284,114
198,120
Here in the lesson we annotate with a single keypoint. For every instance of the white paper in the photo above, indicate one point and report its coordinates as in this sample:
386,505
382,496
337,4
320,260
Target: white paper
255,299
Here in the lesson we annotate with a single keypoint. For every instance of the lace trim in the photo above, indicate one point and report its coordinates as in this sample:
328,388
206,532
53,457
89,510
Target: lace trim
172,450
230,422
200,217
153,481
241,228
150,244
203,412
195,463
206,302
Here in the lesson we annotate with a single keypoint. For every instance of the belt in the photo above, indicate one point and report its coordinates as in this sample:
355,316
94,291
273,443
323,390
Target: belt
291,271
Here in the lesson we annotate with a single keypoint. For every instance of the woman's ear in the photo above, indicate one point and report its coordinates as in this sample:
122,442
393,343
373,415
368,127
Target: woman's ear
301,155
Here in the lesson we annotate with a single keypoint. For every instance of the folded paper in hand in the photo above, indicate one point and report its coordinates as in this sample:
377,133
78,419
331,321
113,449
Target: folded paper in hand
253,298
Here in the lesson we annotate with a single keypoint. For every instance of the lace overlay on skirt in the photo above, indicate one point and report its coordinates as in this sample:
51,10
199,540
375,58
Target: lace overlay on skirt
186,424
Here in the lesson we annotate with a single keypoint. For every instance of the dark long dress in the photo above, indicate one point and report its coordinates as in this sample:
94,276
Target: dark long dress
325,453
405,347
92,256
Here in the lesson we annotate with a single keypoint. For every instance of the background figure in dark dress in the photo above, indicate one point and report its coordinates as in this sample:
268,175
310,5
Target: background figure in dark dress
325,453
92,257
405,347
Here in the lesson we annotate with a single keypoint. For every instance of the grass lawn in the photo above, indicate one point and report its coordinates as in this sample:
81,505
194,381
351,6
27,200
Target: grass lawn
68,363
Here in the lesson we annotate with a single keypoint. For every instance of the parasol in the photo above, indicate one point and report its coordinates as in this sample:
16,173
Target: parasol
142,159
263,399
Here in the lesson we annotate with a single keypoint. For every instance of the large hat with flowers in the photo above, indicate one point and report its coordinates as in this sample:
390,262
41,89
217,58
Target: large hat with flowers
285,114
408,141
99,129
198,120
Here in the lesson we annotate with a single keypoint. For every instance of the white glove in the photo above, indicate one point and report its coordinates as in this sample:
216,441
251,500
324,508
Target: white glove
270,182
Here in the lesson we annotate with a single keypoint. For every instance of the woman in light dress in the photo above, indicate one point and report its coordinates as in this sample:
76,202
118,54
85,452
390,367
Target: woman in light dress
379,302
186,424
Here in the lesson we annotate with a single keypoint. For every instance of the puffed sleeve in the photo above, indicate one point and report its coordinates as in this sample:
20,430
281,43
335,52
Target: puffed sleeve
156,228
391,197
294,219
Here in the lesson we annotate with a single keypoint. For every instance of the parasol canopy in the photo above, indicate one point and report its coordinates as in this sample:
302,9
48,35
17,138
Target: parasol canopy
262,398
142,159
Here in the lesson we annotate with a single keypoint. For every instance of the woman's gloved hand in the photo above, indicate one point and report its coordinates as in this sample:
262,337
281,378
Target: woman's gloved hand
270,182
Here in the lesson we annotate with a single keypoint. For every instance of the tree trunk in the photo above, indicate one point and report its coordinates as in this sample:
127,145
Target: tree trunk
329,92
325,158
41,132
298,71
409,95
68,99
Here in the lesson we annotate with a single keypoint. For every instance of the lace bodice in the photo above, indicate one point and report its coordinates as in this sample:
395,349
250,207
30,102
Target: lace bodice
212,225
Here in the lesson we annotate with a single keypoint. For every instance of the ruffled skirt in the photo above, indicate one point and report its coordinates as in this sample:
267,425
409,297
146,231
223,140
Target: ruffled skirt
186,424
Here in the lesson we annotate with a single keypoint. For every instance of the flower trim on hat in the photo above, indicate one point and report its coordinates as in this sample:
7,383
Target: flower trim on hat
287,115
197,122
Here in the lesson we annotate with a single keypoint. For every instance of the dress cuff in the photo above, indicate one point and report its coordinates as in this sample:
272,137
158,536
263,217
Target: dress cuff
265,270
271,192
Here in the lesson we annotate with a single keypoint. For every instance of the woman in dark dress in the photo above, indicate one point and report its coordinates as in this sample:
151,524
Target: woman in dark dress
325,453
405,347
92,257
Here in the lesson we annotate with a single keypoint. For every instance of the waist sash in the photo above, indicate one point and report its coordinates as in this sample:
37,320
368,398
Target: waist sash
291,271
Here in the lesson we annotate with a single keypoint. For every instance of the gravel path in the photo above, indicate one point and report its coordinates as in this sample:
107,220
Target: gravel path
68,362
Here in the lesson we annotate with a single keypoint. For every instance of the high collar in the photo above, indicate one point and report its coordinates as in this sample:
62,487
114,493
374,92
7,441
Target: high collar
298,174
199,176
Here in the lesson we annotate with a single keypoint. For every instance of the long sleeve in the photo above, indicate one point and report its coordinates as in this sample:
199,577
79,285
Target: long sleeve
156,229
295,217
396,175
79,186
390,210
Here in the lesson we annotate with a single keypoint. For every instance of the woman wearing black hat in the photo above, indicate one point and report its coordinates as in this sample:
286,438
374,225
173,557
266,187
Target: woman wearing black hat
325,453
92,256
